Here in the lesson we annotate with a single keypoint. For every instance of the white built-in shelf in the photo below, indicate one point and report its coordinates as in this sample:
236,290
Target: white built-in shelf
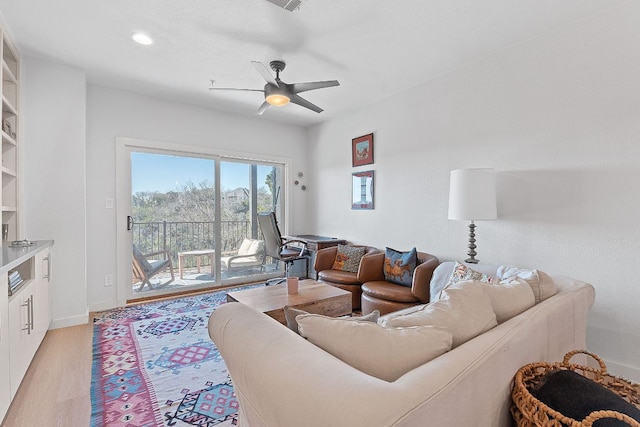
8,138
8,107
10,123
7,74
7,171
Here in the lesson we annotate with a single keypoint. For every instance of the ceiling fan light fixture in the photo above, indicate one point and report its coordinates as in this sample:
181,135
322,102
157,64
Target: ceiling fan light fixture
276,96
277,99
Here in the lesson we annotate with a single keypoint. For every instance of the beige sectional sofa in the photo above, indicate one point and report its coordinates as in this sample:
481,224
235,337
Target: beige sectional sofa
282,379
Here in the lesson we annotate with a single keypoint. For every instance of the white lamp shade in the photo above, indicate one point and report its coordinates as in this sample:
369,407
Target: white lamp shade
472,194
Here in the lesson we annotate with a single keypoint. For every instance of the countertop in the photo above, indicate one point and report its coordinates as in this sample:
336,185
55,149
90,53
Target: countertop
14,256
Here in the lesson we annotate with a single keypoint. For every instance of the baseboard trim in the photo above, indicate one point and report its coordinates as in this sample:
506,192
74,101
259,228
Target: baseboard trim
102,306
69,321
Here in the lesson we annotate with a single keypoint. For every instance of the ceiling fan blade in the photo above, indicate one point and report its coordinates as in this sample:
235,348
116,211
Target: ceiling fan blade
263,107
303,87
233,88
264,72
304,103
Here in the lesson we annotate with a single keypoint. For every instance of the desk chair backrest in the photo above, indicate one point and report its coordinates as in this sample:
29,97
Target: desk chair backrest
271,233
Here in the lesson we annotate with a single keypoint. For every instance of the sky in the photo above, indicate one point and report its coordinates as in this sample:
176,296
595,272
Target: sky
162,173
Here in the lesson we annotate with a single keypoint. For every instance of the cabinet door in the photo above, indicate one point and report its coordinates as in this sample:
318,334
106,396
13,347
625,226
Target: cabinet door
5,387
21,342
41,304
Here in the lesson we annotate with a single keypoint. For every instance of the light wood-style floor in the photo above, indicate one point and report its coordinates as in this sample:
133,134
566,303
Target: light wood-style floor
56,389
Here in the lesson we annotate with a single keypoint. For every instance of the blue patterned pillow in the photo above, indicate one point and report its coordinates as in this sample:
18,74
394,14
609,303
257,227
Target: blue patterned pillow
399,266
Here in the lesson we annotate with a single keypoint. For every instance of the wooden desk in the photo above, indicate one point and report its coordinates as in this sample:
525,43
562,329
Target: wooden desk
314,244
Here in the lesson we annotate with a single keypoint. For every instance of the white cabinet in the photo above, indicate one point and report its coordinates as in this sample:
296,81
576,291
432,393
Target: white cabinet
21,341
5,389
42,309
25,315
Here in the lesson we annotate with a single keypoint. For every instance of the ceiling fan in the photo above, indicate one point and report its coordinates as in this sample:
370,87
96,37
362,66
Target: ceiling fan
278,93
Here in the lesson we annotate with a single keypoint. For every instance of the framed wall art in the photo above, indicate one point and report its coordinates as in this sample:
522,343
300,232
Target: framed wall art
362,190
362,150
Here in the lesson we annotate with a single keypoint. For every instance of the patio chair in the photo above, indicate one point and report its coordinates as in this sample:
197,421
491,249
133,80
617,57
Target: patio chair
280,249
146,266
250,254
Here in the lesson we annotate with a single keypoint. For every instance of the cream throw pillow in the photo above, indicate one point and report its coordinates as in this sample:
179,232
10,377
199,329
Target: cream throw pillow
508,299
541,283
466,311
291,313
385,353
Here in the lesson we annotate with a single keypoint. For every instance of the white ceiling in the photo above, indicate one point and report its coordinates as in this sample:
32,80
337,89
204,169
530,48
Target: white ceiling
374,48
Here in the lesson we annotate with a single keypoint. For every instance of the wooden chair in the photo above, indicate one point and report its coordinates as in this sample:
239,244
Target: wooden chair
145,267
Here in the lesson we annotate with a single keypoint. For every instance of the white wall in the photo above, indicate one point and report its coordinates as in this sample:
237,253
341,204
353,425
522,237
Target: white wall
559,118
112,113
53,178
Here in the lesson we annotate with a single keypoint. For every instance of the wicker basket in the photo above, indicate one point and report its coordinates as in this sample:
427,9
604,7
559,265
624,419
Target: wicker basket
528,411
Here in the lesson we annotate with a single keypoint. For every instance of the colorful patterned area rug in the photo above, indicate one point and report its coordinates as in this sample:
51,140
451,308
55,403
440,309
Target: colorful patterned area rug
155,365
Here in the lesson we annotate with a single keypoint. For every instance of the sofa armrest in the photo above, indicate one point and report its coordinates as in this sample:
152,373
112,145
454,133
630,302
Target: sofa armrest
421,285
324,259
371,268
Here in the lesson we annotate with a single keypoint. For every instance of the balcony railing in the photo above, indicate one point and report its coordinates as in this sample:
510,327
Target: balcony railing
181,236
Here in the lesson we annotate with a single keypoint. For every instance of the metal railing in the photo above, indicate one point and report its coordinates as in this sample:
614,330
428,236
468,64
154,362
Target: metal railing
181,236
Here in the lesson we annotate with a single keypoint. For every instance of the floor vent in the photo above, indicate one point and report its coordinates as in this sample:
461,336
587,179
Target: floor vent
289,5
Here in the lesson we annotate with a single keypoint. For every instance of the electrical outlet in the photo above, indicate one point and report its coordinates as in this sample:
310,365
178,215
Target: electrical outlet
108,280
108,203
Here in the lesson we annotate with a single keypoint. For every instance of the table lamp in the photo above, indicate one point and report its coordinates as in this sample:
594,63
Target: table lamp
472,197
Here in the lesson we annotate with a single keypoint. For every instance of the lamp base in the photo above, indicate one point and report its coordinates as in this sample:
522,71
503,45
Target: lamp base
472,245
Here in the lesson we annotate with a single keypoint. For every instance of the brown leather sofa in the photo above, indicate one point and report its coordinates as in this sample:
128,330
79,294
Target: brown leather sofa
378,294
340,279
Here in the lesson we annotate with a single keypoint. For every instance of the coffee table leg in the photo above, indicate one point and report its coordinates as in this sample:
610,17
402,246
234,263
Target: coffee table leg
180,262
213,264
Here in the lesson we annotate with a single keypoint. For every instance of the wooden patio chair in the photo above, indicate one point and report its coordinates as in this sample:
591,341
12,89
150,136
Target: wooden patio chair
146,266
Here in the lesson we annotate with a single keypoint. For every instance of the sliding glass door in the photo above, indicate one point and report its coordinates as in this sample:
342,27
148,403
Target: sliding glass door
192,220
173,228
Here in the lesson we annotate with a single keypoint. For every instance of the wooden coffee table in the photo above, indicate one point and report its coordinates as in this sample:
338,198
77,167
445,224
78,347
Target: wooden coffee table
312,297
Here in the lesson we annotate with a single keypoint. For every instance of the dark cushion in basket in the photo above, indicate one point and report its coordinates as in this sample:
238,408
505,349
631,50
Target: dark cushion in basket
575,396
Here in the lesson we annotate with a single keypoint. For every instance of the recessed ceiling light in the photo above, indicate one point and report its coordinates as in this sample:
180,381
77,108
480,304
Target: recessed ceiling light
142,38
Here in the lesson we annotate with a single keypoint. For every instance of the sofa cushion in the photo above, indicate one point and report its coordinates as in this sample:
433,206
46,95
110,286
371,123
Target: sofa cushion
340,277
385,353
541,283
399,266
245,247
348,258
508,299
465,311
291,313
386,291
